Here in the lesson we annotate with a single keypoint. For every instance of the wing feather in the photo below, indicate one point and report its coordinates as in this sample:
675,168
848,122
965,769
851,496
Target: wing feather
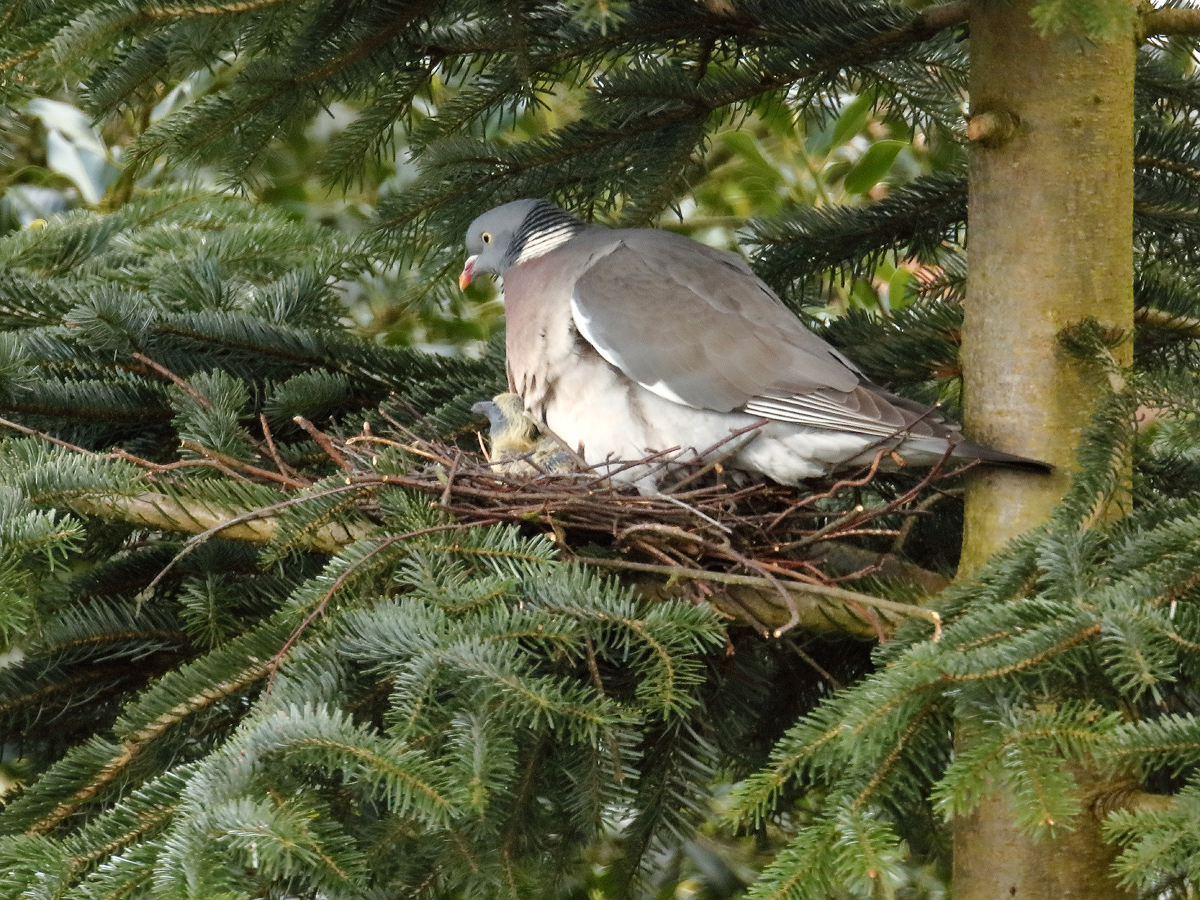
696,326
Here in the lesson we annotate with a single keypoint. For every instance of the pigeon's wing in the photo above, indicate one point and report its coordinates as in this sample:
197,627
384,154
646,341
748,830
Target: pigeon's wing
697,326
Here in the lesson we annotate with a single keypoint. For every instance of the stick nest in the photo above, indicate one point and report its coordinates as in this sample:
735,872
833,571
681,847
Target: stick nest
708,525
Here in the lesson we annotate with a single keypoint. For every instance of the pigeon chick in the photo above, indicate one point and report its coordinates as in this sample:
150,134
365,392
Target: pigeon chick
518,447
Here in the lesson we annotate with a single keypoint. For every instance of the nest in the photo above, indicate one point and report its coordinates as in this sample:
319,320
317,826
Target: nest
772,556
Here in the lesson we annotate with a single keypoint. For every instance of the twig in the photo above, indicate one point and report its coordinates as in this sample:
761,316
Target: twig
855,481
579,461
273,451
157,468
262,513
910,520
341,580
656,552
945,15
232,463
817,667
663,528
324,441
714,463
33,432
450,481
593,668
694,511
173,378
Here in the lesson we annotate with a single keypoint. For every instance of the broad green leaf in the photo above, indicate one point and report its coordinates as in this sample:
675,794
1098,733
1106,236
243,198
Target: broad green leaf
852,120
759,179
873,166
898,289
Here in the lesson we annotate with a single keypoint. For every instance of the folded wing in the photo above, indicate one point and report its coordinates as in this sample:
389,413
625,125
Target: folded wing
695,325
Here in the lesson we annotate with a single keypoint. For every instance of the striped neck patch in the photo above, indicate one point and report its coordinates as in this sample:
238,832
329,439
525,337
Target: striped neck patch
543,242
544,228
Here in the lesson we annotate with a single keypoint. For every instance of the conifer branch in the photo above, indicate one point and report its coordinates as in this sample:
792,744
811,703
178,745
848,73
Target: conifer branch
1082,635
135,743
147,822
48,692
1142,801
411,13
945,15
193,516
186,12
812,595
1184,326
892,758
930,21
20,58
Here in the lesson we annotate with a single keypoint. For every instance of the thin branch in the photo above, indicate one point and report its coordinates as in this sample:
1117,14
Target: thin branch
161,511
251,516
823,592
816,666
232,463
317,610
173,378
33,432
859,561
1175,20
325,442
273,451
945,15
184,12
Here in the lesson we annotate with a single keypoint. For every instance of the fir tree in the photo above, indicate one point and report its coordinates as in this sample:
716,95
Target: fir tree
243,668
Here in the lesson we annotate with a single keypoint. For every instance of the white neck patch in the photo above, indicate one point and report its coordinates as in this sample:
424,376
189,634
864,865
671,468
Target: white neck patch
545,241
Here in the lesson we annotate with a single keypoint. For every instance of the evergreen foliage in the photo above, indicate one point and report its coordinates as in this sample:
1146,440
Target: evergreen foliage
354,695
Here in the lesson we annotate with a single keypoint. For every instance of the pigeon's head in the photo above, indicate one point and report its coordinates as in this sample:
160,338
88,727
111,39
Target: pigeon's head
515,233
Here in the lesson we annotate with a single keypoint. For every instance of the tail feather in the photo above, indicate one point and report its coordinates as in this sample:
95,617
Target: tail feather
1000,458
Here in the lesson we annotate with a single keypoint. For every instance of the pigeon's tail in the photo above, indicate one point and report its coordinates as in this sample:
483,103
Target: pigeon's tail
991,457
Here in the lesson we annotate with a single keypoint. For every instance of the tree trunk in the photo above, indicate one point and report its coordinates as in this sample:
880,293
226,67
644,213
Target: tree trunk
1050,243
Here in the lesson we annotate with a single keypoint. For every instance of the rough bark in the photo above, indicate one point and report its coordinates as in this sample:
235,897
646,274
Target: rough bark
1050,242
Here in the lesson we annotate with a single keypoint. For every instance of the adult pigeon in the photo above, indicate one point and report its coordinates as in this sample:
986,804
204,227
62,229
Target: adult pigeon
628,342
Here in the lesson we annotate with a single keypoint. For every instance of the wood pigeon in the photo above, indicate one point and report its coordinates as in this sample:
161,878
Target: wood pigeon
627,342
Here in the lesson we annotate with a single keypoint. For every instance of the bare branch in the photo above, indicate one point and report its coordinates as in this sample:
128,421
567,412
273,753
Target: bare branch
1174,20
152,510
173,378
945,15
818,599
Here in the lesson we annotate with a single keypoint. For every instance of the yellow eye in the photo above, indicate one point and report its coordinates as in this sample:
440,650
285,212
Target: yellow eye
487,237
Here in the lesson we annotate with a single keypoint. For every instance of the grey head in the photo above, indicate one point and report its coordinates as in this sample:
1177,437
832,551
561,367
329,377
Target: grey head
507,421
514,233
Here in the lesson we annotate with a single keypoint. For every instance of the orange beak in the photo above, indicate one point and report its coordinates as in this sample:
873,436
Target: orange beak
468,273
